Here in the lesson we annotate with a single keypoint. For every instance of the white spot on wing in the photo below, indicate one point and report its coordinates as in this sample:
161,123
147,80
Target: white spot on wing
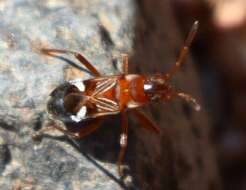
80,115
82,112
79,84
74,118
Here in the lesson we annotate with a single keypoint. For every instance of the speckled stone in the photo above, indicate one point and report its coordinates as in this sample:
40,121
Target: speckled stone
101,30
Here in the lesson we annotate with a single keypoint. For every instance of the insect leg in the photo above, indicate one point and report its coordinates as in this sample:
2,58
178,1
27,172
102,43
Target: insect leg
51,127
82,133
184,51
123,141
90,129
145,121
125,63
78,56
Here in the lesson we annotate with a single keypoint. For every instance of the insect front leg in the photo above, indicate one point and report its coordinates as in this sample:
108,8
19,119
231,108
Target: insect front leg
77,55
123,141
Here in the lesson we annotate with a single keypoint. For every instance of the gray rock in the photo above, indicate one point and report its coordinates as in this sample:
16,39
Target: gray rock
101,31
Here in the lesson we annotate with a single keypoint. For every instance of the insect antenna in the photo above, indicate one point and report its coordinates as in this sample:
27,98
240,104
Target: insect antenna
192,101
184,51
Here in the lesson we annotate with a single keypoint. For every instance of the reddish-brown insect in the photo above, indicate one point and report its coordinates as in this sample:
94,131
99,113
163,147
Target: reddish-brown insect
79,100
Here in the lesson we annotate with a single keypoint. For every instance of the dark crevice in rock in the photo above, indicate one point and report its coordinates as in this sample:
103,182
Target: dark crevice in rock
8,127
5,157
37,123
115,64
106,38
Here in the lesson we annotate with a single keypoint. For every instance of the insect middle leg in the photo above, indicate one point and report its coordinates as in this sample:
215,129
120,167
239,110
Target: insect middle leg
78,56
84,131
123,141
51,127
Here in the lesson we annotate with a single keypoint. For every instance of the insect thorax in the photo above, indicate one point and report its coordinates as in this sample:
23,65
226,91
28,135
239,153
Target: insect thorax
156,88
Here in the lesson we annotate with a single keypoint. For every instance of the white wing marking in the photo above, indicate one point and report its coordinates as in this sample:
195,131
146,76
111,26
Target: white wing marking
79,84
80,115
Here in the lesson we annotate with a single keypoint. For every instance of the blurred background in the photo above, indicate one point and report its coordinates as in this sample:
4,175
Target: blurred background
220,57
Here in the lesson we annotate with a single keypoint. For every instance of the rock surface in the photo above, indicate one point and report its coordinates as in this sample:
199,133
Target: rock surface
179,158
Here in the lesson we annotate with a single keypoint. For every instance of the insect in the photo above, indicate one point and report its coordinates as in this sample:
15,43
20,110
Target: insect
79,100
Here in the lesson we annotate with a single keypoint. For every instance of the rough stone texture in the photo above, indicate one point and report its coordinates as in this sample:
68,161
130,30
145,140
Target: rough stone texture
179,158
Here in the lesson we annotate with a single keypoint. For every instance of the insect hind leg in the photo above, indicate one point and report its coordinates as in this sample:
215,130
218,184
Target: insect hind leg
123,141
